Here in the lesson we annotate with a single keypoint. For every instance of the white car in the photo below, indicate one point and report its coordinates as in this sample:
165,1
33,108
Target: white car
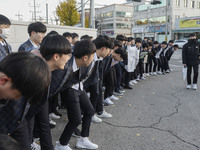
180,43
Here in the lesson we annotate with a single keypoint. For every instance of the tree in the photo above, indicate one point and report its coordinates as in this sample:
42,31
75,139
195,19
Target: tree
87,24
67,13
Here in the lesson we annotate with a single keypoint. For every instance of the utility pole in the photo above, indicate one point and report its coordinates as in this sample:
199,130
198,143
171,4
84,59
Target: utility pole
47,20
166,24
92,21
19,16
83,13
34,12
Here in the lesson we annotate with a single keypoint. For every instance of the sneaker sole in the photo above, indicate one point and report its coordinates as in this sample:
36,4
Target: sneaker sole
85,147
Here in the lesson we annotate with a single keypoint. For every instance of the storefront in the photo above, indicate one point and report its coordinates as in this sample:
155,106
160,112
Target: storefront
185,26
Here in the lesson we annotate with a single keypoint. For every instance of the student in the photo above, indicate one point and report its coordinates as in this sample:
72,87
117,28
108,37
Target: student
68,36
5,48
8,143
19,76
93,84
110,76
85,37
56,50
163,59
36,33
77,100
75,38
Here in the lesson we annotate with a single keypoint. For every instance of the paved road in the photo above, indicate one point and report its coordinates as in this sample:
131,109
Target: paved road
158,114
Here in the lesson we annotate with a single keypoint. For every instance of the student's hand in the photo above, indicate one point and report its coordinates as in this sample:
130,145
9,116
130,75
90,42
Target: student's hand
184,65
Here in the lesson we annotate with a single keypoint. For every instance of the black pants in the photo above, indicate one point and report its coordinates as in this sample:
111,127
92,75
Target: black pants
147,67
77,101
189,72
141,68
159,64
96,98
152,60
53,103
118,76
109,81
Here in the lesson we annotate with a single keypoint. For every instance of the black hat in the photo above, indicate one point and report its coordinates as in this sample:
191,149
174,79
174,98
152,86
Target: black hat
192,34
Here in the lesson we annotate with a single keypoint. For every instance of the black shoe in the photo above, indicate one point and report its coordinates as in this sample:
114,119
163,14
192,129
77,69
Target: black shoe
77,133
128,87
58,114
52,126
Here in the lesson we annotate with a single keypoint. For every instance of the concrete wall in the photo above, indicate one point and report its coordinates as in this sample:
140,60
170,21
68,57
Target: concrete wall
19,33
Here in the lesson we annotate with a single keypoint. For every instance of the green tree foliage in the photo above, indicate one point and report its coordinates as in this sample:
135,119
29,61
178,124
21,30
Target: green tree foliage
67,13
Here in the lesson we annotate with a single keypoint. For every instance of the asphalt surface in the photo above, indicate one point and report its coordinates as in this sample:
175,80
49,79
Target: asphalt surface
158,114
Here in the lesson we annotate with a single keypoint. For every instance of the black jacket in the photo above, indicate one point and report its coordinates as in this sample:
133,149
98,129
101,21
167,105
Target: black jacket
191,52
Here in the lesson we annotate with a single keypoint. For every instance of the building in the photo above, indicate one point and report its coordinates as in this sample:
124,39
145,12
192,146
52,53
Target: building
114,20
150,20
185,26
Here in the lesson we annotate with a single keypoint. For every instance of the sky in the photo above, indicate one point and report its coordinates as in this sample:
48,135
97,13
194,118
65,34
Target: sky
23,8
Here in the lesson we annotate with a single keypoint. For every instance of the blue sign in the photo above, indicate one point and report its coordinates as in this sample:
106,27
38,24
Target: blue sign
159,28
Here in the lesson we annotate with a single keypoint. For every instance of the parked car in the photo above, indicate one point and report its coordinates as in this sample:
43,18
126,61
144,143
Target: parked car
180,43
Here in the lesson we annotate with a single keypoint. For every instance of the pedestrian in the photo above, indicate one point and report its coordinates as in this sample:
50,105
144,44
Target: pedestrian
190,57
5,48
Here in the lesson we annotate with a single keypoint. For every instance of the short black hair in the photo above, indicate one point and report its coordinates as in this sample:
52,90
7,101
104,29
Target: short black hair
130,39
176,45
146,38
150,43
4,20
192,34
54,44
103,41
117,43
145,45
171,41
37,27
8,143
164,42
155,42
122,52
74,35
85,37
52,32
138,40
84,47
67,34
121,38
29,73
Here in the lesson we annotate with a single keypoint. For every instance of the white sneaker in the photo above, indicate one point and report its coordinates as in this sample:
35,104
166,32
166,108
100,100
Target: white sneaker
114,98
154,73
189,86
134,81
54,116
147,75
130,83
58,146
84,142
108,101
35,146
138,79
52,122
105,115
194,86
143,78
96,119
159,72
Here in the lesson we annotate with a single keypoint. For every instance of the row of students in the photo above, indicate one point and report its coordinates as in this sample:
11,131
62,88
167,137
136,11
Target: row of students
90,66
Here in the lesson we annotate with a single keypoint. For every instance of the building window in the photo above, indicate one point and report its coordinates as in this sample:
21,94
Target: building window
107,26
198,5
185,3
177,2
177,16
123,25
192,3
124,14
